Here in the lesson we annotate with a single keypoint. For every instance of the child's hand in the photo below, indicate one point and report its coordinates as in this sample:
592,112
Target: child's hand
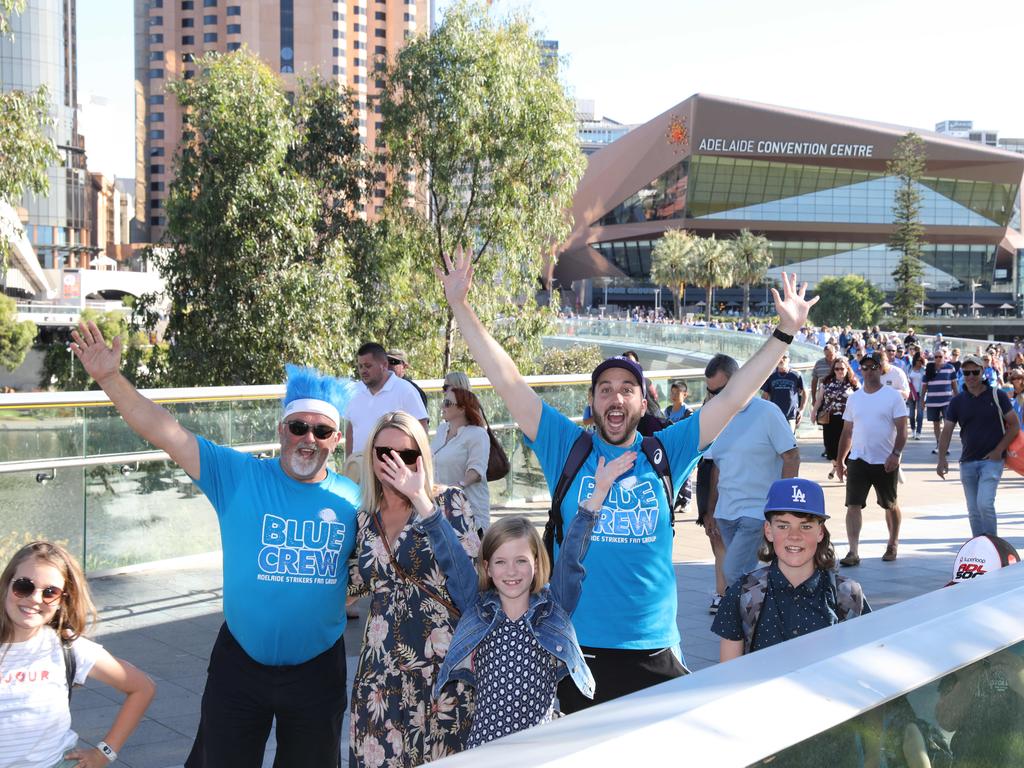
606,475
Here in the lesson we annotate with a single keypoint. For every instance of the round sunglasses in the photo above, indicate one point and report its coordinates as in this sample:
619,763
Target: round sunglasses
25,587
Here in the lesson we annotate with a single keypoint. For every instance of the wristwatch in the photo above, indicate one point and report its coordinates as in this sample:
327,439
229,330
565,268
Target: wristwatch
108,753
786,338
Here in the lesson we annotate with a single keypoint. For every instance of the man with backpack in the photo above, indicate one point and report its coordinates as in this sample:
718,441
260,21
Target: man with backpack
988,425
626,617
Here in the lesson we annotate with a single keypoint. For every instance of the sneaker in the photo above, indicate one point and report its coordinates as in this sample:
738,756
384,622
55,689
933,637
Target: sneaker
850,560
715,602
935,450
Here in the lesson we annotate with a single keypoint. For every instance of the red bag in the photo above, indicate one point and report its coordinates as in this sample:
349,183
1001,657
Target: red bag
1015,454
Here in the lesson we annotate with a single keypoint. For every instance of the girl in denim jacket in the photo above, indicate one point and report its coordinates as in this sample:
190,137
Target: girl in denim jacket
514,641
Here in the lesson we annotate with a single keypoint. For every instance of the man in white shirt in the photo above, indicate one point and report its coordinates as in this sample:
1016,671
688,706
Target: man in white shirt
874,433
894,376
380,391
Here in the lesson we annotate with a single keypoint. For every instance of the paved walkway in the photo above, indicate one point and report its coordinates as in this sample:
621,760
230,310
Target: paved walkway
165,621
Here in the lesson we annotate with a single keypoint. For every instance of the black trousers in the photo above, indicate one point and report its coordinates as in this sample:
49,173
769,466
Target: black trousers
619,672
243,697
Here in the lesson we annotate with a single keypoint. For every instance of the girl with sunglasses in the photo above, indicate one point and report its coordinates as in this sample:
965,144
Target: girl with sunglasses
47,609
461,449
412,616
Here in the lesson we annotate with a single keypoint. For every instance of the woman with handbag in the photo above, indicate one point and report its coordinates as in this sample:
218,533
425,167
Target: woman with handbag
830,404
461,451
916,404
412,616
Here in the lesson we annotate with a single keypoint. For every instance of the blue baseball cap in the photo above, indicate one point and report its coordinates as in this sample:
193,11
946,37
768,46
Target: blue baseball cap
618,362
795,494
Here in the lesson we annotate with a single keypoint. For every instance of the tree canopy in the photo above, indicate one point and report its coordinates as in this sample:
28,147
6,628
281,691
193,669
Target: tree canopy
712,266
907,164
670,263
847,300
752,256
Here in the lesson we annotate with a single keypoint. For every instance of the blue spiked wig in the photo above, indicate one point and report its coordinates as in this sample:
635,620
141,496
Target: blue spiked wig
310,391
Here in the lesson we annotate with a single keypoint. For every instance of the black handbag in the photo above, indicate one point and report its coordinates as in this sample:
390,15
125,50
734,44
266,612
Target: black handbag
498,465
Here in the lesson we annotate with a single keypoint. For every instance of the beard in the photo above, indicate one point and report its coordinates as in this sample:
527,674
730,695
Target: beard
629,428
302,467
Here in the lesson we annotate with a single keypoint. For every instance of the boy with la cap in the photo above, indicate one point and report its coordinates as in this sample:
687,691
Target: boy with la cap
798,591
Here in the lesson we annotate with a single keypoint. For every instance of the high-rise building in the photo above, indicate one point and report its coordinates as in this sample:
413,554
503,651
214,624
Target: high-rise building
595,132
42,51
338,39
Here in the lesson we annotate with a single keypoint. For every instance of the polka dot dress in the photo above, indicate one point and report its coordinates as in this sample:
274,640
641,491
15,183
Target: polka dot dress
515,686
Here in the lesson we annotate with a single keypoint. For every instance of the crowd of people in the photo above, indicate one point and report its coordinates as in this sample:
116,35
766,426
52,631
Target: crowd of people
477,629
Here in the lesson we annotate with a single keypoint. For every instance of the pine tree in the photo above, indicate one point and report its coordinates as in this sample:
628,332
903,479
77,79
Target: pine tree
908,164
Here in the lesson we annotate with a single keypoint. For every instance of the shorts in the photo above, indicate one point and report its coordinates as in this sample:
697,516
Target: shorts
935,413
862,477
619,672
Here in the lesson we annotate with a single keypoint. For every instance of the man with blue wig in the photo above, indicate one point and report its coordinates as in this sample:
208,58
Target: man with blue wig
288,526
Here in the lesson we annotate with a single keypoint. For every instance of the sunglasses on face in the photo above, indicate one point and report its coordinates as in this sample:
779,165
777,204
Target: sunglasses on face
392,361
970,372
715,390
839,368
300,428
408,456
868,367
25,587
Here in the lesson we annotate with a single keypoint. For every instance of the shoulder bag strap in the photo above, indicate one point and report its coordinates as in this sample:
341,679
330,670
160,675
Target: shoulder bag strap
404,574
999,410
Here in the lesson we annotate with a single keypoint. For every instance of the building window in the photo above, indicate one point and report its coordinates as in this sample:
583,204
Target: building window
357,27
210,37
156,39
156,203
335,52
335,33
335,16
380,16
156,98
337,70
379,33
156,170
234,46
408,17
380,50
378,83
359,45
188,22
188,39
156,21
209,3
210,18
156,221
377,108
156,55
156,133
234,29
187,5
155,117
156,186
358,10
358,62
188,74
358,79
234,10
156,3
288,36
156,151
156,74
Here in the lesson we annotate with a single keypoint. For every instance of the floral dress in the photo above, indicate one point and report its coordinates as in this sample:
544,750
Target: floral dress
394,722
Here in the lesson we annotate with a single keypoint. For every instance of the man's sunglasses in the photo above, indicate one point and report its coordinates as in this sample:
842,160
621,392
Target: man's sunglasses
300,428
970,372
393,361
869,366
25,587
408,456
715,390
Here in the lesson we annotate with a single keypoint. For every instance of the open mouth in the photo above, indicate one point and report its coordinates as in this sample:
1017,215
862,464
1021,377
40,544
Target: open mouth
615,418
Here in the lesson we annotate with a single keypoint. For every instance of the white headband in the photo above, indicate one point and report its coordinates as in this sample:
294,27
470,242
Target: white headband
311,405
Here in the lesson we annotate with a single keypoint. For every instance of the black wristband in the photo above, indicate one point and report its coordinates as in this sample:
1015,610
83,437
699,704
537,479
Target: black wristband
785,338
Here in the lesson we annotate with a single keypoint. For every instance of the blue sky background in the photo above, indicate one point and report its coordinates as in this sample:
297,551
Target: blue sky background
909,62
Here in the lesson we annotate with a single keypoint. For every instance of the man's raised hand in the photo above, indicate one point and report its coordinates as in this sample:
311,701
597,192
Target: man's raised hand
457,276
792,306
99,359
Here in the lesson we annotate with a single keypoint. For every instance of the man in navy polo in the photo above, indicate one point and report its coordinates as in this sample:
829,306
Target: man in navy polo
988,425
786,389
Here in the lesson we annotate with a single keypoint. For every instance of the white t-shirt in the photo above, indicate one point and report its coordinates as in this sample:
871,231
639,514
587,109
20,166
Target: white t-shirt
365,409
35,721
469,449
874,423
897,379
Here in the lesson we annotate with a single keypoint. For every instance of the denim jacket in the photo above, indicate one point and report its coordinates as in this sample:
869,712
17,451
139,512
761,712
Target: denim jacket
548,615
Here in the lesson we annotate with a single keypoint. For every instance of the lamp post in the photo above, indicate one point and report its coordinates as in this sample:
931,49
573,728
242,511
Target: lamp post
974,287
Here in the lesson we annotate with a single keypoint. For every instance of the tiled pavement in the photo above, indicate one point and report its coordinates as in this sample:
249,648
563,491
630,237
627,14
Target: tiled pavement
165,621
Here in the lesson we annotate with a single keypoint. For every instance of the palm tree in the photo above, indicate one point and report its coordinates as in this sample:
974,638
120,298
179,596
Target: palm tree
753,257
711,267
670,260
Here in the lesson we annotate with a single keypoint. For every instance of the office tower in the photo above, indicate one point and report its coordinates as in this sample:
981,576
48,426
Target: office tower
340,40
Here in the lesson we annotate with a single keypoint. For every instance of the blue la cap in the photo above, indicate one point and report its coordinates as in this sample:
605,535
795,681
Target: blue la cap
618,362
795,494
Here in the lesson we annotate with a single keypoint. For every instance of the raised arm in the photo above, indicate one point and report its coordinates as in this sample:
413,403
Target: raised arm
522,402
150,421
792,308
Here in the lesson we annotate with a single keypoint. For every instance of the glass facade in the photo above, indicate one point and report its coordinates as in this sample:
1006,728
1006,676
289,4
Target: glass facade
664,198
42,52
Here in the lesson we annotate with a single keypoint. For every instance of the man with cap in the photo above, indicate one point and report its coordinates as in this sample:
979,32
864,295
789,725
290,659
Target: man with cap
626,617
874,433
797,592
398,362
893,375
988,425
288,526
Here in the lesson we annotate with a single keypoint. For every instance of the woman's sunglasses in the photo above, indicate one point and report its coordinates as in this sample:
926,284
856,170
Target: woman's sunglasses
446,403
408,456
300,428
25,587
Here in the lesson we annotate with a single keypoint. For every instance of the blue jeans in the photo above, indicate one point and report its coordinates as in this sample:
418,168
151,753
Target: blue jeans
915,409
981,479
742,538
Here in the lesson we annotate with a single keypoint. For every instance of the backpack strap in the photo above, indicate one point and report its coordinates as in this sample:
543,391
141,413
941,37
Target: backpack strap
70,665
657,456
574,461
752,594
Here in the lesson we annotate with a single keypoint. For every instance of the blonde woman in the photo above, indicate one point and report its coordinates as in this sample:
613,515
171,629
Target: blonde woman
412,615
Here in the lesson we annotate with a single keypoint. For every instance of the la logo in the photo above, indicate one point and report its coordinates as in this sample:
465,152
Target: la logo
799,496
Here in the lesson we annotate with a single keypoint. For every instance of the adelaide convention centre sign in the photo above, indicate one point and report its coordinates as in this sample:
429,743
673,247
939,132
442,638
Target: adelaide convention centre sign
774,147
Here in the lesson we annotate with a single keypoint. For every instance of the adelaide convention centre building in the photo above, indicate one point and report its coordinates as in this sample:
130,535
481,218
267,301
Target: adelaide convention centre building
814,184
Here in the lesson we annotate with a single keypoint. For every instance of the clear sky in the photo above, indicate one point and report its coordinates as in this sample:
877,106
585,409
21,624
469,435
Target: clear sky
908,62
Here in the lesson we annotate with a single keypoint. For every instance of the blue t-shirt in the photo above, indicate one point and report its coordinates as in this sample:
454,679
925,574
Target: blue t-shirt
286,545
629,593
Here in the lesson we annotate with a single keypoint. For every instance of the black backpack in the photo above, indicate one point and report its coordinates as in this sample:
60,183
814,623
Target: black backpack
652,449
